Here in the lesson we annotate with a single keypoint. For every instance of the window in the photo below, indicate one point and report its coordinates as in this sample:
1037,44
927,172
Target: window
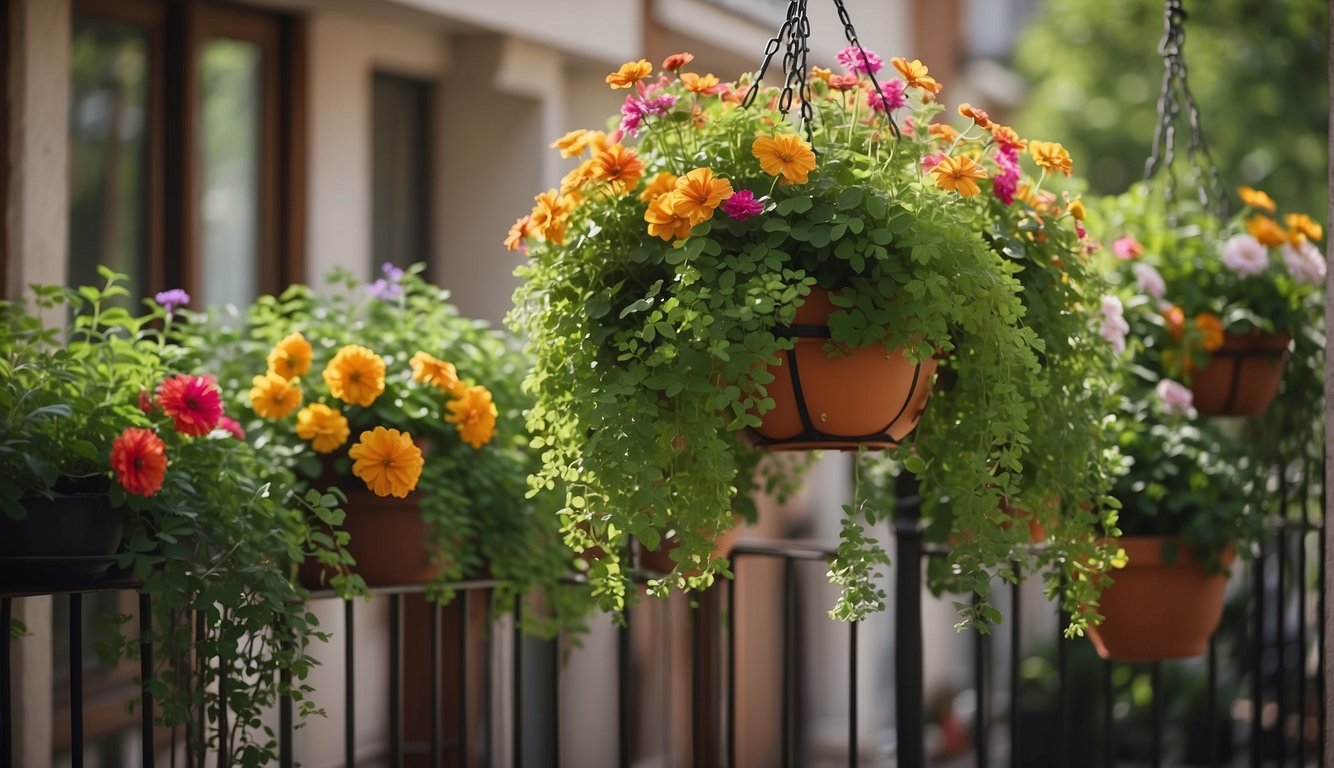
401,160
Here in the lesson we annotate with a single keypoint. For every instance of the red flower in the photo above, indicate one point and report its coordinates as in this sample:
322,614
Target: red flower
193,403
140,461
232,426
146,401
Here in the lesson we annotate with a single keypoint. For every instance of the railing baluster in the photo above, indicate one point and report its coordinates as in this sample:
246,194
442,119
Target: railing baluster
854,750
6,708
908,624
786,725
555,698
396,680
1156,691
437,753
1108,716
1257,660
626,689
981,694
1280,631
516,702
696,689
1016,659
731,663
75,679
1211,701
146,680
1063,692
465,619
350,685
1301,638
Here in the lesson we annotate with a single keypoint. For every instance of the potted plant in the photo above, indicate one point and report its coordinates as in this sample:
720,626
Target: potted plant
1232,298
348,381
663,303
1186,512
210,522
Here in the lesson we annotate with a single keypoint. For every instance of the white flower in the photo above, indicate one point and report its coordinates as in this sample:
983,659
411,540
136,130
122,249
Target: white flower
1148,280
1176,398
1305,263
1245,255
1114,326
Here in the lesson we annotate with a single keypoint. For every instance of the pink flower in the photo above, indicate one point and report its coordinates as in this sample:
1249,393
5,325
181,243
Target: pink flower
1305,263
1126,247
1079,229
742,205
852,61
232,426
1245,255
1006,183
1114,326
1175,397
633,111
1149,281
890,96
932,160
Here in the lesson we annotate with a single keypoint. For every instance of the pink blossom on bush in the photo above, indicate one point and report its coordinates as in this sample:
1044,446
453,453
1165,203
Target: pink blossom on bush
890,96
850,58
932,160
1114,326
1305,263
1149,281
742,205
1245,255
1176,397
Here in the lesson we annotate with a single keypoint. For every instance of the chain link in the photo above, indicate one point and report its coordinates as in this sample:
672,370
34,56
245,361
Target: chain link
1175,97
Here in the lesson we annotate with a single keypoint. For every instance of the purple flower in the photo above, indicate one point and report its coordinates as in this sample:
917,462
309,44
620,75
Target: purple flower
889,98
172,299
633,111
852,62
391,272
742,205
384,290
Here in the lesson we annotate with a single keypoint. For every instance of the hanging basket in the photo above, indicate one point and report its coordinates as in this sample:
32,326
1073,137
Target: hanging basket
1156,611
68,540
868,398
388,538
1243,375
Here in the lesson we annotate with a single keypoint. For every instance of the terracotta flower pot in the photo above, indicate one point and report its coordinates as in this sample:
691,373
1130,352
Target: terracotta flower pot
388,539
71,539
1242,376
870,397
1157,611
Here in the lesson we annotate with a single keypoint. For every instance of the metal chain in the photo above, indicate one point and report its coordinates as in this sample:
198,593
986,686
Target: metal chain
1172,99
851,35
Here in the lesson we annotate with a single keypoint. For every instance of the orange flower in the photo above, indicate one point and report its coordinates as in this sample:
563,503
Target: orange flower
943,131
1175,321
519,231
274,397
1051,156
915,73
698,193
437,373
978,116
787,154
821,74
1266,230
619,167
1254,198
958,174
572,183
1302,226
1006,137
630,73
550,214
387,461
355,375
661,183
676,61
290,357
573,143
699,83
474,414
1211,331
844,82
324,427
663,221
1077,210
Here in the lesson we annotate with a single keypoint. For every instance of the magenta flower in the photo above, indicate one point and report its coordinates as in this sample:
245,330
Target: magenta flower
1005,183
232,426
932,160
742,205
852,61
1126,247
633,111
890,96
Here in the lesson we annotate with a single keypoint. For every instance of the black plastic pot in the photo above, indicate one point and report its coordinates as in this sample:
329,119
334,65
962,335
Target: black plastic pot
63,541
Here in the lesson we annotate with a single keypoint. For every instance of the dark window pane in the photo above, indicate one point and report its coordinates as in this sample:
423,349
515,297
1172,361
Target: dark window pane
229,199
401,203
108,151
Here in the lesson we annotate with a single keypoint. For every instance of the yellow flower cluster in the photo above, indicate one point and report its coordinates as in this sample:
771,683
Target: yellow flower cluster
387,460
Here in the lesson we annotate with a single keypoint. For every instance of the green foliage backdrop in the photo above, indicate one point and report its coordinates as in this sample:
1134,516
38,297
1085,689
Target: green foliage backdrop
1258,69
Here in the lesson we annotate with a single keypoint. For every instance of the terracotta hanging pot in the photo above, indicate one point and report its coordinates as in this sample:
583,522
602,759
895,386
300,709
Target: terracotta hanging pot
1157,611
388,538
71,539
870,397
1243,375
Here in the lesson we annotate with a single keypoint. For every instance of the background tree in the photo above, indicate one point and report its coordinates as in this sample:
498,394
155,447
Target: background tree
1258,70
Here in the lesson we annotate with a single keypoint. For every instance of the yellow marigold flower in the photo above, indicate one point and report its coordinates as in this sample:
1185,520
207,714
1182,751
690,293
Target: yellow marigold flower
915,73
1051,156
436,373
1266,230
1006,136
661,183
696,83
324,427
698,193
945,132
519,231
978,116
387,461
663,221
274,397
1256,199
573,143
821,74
787,154
291,356
355,375
475,416
1077,209
1211,331
1300,225
618,166
958,174
630,73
